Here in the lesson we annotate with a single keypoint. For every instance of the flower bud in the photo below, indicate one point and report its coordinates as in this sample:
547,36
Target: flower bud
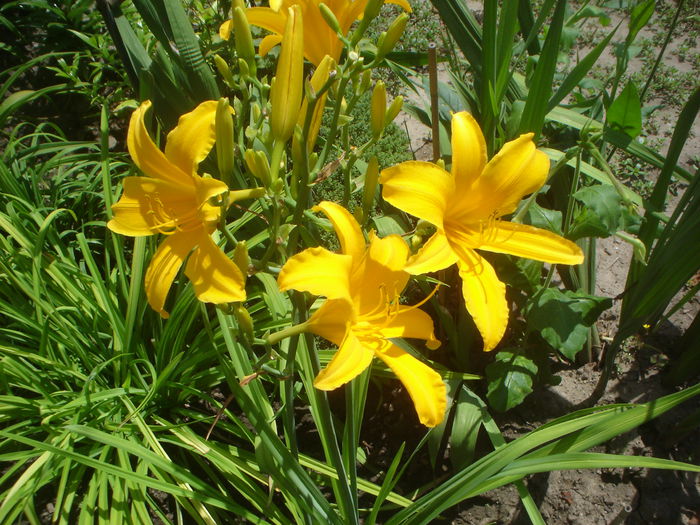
258,165
318,80
329,16
244,40
245,322
243,69
416,241
224,70
378,112
224,140
241,258
372,9
393,109
287,86
366,81
393,33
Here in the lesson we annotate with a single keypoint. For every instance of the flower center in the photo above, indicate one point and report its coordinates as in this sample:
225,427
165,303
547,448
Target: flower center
166,220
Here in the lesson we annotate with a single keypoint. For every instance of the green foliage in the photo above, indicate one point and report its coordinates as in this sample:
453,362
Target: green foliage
105,406
563,318
510,379
625,113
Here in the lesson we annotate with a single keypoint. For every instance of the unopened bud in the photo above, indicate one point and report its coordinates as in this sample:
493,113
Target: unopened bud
244,40
372,9
416,241
241,258
243,68
393,109
378,111
393,33
224,140
258,165
256,112
224,70
287,87
245,322
329,16
365,82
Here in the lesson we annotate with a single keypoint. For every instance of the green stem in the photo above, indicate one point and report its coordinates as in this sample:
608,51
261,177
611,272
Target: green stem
290,331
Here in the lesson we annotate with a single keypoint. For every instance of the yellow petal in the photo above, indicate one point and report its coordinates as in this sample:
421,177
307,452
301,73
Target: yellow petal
317,271
215,277
349,12
318,80
484,296
130,215
193,137
273,21
419,188
379,279
517,170
149,205
352,242
146,154
225,29
424,385
331,320
164,266
520,240
410,322
468,151
436,254
268,43
208,188
349,361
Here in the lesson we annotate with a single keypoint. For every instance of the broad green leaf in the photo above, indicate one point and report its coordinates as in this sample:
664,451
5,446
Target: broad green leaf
389,224
465,428
563,318
603,213
543,218
510,379
625,113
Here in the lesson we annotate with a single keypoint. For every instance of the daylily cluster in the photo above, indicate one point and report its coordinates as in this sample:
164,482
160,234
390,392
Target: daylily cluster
362,285
320,38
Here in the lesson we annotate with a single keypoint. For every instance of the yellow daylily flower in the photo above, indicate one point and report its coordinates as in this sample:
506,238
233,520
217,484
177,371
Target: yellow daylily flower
362,311
174,200
466,206
319,39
